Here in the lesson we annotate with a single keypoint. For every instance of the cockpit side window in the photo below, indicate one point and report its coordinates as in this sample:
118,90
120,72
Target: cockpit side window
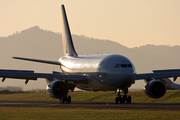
122,65
129,65
117,65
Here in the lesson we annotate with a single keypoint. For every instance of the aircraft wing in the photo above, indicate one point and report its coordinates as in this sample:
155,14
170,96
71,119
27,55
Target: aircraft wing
30,75
159,74
36,60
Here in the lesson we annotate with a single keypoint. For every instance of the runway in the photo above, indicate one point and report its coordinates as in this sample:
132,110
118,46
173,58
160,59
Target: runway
92,105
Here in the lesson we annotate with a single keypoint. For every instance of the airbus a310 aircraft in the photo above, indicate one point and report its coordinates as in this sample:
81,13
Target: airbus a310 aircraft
94,73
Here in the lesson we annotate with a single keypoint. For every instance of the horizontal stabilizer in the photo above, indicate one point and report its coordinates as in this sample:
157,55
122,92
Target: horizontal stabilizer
36,60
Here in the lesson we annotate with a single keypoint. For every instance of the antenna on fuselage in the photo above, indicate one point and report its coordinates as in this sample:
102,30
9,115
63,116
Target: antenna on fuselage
68,46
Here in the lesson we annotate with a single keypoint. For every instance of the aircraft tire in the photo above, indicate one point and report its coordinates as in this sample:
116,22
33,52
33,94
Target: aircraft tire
64,99
116,100
129,99
68,99
124,98
121,100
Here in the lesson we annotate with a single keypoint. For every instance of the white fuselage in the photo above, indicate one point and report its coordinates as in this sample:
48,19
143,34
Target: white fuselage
107,72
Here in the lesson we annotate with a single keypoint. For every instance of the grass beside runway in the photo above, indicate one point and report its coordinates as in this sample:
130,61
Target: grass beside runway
8,113
36,113
137,96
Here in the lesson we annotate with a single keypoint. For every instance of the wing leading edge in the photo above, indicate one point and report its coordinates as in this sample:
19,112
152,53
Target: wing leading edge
37,60
158,74
30,75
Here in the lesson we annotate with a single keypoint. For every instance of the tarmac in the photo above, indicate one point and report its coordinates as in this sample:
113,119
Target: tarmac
93,105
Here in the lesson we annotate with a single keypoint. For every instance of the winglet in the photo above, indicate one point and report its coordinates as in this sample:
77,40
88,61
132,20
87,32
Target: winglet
68,46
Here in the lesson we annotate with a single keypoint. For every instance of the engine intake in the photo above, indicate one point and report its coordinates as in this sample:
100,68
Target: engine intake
57,89
155,89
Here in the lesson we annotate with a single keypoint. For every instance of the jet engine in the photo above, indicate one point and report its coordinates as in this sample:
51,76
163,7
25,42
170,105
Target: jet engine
155,89
57,89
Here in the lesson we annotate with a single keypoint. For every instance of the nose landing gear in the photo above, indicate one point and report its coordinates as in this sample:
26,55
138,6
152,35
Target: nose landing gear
123,98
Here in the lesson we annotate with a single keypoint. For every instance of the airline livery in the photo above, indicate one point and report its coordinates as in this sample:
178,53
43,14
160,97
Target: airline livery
94,73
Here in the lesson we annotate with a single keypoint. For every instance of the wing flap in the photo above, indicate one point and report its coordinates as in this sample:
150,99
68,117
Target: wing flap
17,74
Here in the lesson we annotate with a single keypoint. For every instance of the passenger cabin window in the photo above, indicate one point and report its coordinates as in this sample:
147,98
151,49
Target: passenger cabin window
122,65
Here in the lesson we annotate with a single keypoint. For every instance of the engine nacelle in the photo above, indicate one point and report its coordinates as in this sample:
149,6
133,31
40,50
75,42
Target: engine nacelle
155,89
57,89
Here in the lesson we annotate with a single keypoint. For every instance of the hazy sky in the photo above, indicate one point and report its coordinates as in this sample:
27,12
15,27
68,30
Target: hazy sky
129,22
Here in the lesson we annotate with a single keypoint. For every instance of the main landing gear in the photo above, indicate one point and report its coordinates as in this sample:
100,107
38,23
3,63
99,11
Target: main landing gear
65,100
123,98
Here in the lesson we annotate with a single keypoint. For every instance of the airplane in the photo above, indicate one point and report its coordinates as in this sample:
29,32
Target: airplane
110,72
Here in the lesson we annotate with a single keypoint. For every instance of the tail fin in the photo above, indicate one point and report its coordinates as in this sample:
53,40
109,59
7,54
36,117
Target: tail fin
68,46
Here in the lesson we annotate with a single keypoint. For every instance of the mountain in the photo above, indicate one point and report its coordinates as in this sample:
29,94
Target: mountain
43,44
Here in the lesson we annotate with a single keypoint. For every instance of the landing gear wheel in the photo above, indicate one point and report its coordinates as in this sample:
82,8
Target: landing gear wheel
68,99
123,98
116,100
65,100
129,99
60,101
